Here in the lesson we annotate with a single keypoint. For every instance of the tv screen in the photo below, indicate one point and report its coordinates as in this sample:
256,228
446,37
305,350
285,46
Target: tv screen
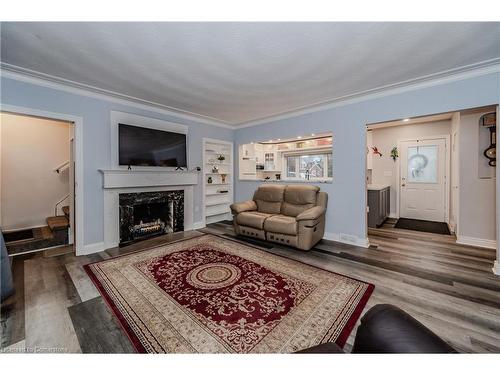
150,147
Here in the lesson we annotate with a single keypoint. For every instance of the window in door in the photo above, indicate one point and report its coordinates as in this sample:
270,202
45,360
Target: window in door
422,164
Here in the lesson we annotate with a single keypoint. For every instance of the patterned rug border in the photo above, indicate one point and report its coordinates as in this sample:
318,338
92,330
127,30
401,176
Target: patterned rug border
341,339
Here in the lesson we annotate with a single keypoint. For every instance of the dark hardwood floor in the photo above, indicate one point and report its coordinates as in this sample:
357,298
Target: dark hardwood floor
448,287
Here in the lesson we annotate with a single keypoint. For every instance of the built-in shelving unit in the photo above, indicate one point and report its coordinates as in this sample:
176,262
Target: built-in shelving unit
217,180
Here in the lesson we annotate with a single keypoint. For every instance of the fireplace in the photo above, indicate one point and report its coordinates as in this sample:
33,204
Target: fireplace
148,214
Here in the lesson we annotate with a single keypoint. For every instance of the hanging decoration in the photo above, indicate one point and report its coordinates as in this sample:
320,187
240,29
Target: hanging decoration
376,151
394,153
489,120
417,164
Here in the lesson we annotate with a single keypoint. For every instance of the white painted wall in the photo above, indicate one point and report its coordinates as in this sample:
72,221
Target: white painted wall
477,195
30,149
384,169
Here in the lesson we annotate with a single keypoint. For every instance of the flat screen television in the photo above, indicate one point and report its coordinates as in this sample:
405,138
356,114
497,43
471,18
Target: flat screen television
151,147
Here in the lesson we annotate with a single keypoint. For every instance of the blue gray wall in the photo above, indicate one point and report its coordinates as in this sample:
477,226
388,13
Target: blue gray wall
96,140
346,212
347,196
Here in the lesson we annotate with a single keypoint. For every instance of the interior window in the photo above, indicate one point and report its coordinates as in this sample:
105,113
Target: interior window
294,159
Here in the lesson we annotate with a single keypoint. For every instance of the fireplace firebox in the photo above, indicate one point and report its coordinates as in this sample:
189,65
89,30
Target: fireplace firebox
148,214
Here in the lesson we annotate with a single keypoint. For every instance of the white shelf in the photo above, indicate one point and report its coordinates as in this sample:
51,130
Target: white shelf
218,212
217,204
216,194
217,209
223,164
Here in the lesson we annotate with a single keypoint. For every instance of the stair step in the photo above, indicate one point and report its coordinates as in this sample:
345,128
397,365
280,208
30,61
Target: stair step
65,210
57,222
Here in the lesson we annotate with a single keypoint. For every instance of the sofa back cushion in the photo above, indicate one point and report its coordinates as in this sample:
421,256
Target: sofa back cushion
298,198
269,198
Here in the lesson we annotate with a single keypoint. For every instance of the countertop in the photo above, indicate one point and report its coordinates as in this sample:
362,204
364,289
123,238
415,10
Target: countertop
376,186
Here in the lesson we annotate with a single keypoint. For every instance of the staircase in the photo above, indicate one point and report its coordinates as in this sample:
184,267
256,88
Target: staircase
54,234
59,225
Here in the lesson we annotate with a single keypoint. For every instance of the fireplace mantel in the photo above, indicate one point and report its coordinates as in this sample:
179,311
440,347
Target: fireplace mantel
118,181
123,178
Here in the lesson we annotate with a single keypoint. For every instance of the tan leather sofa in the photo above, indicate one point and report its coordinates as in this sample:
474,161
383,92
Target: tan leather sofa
293,215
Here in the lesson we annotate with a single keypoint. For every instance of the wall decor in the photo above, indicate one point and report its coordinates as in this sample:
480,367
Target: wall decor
489,120
376,151
209,180
221,158
394,153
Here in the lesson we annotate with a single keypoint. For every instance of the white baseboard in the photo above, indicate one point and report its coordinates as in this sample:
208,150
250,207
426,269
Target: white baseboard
347,238
496,267
91,248
478,242
198,225
393,215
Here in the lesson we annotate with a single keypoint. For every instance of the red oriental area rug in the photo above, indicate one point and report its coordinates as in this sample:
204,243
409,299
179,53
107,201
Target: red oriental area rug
213,295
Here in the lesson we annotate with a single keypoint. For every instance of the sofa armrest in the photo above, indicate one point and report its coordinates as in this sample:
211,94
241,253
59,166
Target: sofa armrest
239,207
312,213
387,329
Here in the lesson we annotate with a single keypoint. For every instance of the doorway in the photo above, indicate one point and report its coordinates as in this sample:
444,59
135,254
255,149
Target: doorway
436,173
37,184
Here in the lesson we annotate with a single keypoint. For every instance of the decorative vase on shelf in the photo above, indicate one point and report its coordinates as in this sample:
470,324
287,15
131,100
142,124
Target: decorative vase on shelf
223,178
209,180
215,169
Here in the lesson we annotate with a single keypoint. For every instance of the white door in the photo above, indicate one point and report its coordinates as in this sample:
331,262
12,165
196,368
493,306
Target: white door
423,179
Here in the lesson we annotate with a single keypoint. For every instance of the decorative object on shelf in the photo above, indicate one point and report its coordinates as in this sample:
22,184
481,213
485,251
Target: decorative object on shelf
223,177
278,176
394,153
221,158
489,120
209,180
222,191
215,169
376,151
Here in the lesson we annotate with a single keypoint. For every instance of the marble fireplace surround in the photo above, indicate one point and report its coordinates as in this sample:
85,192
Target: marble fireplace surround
121,181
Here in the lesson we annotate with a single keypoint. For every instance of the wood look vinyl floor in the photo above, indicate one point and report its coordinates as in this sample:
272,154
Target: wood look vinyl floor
448,287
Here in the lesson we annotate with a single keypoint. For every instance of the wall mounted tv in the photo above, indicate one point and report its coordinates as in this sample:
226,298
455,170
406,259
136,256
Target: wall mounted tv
151,147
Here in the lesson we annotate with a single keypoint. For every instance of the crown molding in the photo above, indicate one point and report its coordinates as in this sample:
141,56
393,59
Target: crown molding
451,75
448,76
41,79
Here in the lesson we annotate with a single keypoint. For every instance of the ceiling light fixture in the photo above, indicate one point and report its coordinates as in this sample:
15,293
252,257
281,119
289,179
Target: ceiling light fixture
312,134
299,137
406,119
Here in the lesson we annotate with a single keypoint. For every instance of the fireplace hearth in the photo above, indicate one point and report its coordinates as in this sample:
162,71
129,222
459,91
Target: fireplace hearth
148,214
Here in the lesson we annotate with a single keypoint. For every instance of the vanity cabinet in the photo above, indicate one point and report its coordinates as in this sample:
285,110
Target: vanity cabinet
379,205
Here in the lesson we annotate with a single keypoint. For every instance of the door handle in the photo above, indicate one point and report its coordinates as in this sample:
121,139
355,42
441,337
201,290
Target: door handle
403,184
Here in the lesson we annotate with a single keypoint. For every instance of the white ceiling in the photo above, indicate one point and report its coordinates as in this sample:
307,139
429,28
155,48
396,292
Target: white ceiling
239,72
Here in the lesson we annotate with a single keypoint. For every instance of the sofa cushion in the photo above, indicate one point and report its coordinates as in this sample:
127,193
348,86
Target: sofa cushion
298,198
253,219
281,224
269,198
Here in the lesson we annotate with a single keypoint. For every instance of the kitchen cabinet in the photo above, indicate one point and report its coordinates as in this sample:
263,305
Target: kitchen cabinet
379,204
